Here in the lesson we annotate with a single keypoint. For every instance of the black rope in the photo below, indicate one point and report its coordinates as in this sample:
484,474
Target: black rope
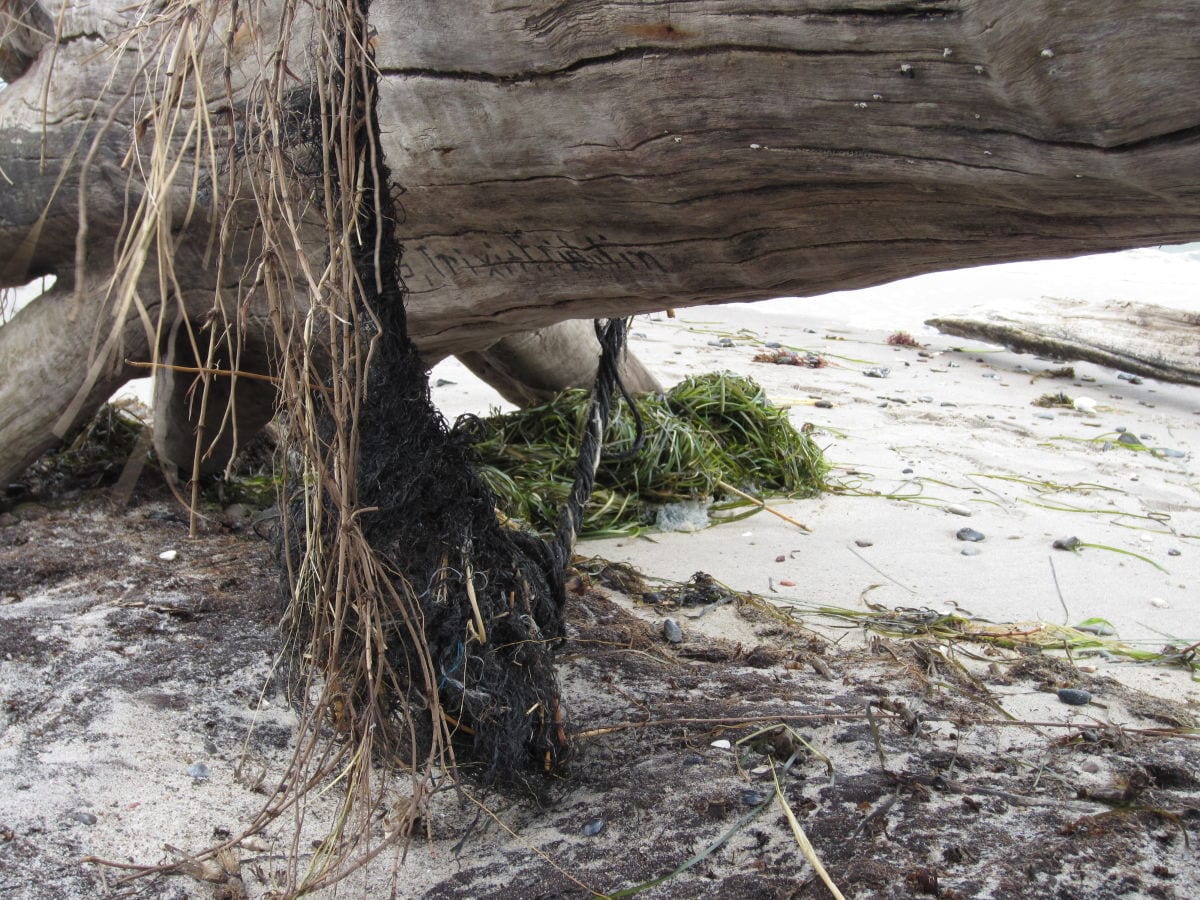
611,335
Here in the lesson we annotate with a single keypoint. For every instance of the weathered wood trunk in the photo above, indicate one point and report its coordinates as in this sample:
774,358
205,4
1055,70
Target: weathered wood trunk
561,160
1138,338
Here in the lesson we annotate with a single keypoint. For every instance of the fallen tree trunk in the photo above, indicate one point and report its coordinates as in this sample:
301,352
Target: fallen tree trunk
555,161
1139,338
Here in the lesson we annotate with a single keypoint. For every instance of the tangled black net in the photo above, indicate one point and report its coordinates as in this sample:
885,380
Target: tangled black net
490,598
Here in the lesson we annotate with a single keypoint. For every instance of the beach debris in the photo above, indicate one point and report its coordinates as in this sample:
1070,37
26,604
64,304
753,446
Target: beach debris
1097,626
672,632
198,771
877,372
902,339
169,555
1074,696
706,431
781,356
593,828
1058,399
721,744
684,515
956,510
1060,372
969,534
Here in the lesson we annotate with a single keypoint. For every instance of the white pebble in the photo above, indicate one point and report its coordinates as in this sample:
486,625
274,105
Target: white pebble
722,744
168,555
1159,603
1084,404
958,510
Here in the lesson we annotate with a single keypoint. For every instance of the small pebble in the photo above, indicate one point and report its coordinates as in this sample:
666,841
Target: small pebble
1167,451
969,534
906,471
593,828
1074,696
1100,629
924,398
1048,416
948,403
751,797
1132,379
1070,543
84,817
773,345
672,632
1159,603
877,372
971,551
823,404
1130,439
721,744
198,771
781,558
1091,767
692,759
1173,552
958,510
169,555
1084,404
863,542
785,583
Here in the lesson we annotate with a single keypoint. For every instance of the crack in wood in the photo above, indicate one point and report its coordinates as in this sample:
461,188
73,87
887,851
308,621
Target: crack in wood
626,54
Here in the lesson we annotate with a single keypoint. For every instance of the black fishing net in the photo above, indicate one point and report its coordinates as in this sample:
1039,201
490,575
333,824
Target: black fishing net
488,598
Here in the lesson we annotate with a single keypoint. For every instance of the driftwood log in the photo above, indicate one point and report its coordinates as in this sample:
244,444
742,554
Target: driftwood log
1138,338
562,160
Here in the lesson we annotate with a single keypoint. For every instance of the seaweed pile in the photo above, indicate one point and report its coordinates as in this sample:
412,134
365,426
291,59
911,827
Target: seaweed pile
707,431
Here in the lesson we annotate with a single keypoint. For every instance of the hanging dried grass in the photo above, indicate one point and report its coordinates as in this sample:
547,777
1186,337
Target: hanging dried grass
420,631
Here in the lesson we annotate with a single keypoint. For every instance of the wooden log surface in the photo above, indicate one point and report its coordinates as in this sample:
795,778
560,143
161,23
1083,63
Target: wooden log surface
1138,338
576,158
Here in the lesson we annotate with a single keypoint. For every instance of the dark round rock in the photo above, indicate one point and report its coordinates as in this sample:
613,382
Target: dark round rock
969,534
1074,696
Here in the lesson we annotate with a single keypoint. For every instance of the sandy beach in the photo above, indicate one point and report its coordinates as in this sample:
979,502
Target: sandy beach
953,427
142,717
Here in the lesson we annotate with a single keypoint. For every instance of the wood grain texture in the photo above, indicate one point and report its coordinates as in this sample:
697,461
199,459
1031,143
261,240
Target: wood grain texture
575,158
1140,338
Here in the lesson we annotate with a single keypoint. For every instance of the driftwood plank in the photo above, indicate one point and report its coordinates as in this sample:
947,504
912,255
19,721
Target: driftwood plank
1139,338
